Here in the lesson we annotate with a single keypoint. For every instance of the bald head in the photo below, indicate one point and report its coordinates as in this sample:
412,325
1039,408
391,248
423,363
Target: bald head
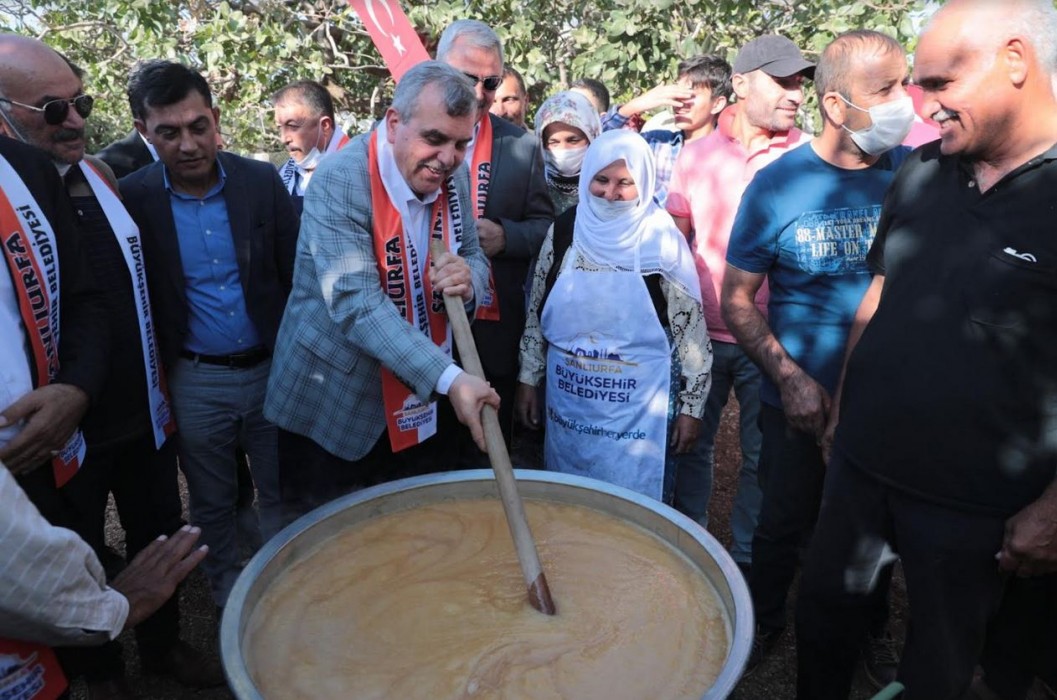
986,25
32,75
986,69
25,60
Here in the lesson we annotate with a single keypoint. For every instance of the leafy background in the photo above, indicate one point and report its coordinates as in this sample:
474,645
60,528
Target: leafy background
250,48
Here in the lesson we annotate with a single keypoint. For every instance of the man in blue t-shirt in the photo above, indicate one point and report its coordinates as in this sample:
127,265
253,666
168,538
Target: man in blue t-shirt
805,224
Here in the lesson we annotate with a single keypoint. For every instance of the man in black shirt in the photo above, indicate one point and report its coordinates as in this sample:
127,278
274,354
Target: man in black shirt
946,448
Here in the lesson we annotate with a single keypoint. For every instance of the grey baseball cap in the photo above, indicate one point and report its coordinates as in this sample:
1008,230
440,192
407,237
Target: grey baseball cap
774,55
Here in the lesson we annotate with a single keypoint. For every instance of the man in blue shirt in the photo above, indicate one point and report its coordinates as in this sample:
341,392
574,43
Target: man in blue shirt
805,225
701,91
219,233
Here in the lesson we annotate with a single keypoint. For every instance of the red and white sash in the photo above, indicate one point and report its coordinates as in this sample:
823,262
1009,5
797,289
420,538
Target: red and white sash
288,171
29,672
125,230
30,250
480,182
403,273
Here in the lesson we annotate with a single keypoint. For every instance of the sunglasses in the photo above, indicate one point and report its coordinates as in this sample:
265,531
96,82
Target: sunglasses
56,111
491,82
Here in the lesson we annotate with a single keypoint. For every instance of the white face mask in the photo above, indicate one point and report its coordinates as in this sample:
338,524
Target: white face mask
892,122
566,161
609,211
312,158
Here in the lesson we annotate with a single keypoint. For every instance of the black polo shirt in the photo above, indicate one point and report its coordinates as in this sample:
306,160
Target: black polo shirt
951,393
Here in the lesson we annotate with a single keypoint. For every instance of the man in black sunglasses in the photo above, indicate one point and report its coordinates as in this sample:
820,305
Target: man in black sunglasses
127,428
513,212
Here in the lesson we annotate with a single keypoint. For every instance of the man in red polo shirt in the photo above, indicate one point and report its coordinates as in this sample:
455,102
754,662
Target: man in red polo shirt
706,187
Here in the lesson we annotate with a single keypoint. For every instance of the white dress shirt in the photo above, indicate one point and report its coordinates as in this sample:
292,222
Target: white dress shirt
15,378
415,214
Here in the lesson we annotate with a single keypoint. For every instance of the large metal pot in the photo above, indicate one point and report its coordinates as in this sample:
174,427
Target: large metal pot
301,537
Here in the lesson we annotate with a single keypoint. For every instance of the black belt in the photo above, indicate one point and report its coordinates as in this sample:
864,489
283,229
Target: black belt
239,360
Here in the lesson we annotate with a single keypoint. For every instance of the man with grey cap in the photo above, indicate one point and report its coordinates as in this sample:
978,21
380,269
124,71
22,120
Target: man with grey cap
707,183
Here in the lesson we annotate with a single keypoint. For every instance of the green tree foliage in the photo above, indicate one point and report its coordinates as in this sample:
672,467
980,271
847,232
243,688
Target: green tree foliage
249,48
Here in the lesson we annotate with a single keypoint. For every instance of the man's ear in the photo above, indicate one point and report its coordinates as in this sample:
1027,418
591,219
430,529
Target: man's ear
835,108
740,83
719,104
326,127
392,120
216,117
1015,54
142,129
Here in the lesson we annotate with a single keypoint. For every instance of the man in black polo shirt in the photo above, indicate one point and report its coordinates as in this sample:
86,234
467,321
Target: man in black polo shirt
947,443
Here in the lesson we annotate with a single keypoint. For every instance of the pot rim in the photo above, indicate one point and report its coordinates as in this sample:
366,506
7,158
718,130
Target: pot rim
238,675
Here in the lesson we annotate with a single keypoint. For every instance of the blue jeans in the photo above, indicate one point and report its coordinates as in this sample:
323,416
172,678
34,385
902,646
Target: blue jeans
218,409
693,486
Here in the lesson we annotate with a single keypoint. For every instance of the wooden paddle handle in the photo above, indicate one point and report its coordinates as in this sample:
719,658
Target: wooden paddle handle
524,544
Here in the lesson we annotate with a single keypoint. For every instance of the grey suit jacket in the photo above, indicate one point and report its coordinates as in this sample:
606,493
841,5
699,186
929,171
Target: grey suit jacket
340,328
263,226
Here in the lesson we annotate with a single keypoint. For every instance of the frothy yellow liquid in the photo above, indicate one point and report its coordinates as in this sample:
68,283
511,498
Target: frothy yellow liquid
430,603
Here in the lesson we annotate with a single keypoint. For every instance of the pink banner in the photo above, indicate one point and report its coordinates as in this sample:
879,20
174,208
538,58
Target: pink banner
392,34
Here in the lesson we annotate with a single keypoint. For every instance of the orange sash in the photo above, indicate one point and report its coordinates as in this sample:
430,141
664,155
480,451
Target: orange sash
403,272
29,671
30,249
480,182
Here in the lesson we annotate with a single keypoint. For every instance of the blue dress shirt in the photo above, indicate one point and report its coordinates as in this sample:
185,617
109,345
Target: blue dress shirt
217,320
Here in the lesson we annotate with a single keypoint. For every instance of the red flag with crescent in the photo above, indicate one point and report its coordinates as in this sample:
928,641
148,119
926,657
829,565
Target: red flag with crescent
392,34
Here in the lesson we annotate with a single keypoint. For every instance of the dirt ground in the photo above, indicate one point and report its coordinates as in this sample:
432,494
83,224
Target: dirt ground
774,680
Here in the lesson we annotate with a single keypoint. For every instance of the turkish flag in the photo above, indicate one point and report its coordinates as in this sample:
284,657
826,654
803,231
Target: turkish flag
392,34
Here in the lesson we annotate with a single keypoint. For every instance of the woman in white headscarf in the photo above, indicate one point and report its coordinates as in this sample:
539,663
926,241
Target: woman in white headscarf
566,124
616,327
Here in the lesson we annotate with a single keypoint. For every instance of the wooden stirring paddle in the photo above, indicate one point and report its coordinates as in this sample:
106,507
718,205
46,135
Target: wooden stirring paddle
538,592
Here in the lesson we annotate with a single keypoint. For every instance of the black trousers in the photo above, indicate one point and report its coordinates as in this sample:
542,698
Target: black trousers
309,476
1022,639
147,496
791,474
953,586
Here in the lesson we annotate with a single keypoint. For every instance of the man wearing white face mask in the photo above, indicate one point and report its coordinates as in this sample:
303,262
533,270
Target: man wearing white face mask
805,225
304,115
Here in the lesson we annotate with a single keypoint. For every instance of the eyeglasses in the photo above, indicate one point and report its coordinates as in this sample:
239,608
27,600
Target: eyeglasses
56,111
491,82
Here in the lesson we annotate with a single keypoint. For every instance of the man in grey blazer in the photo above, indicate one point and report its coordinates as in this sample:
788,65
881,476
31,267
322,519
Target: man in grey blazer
350,346
513,211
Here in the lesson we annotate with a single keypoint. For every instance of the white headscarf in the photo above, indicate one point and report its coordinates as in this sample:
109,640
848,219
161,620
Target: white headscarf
646,239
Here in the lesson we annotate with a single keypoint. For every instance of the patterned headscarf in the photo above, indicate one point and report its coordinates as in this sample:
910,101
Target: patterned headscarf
569,108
